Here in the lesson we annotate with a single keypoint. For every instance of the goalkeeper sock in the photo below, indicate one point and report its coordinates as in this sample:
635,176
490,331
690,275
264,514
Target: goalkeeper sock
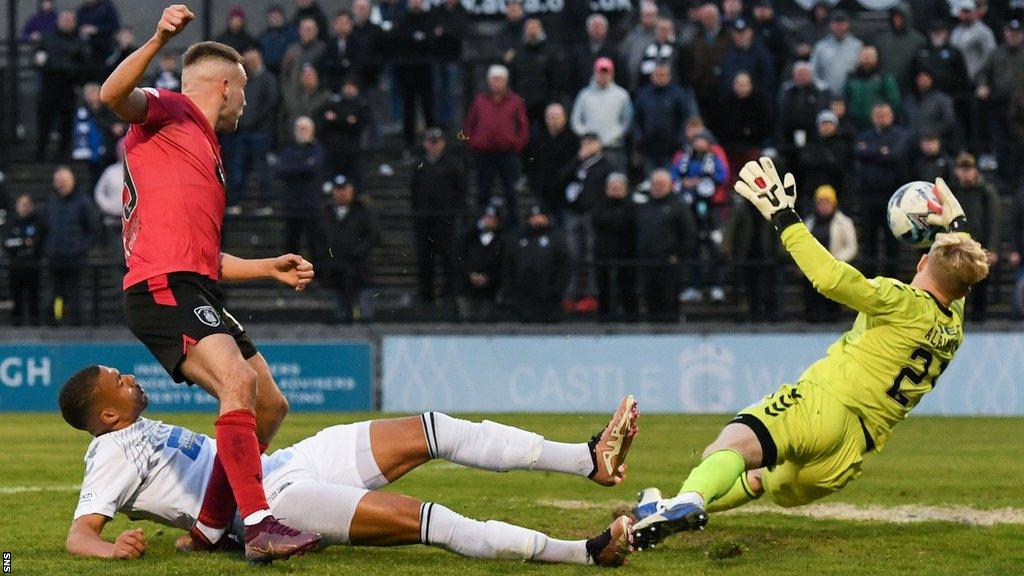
439,526
499,448
713,477
737,496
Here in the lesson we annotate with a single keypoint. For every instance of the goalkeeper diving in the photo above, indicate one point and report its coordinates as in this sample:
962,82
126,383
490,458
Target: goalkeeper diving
808,439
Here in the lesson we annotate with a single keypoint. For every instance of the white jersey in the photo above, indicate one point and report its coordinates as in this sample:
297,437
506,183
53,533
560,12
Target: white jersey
149,470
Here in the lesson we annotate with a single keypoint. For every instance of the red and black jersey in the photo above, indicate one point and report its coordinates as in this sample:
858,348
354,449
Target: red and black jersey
174,192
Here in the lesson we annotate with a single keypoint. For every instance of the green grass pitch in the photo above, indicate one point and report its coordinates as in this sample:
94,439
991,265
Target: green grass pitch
974,462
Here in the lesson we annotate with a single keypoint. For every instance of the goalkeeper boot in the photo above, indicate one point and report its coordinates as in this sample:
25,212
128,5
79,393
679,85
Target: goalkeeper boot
647,503
608,447
611,547
271,540
671,517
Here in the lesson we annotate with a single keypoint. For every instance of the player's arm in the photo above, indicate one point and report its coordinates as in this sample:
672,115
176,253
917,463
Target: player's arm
120,90
290,269
759,183
84,539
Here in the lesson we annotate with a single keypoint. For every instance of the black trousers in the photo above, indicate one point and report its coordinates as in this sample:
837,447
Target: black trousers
874,222
56,111
66,284
661,293
297,229
616,287
435,242
977,309
416,82
25,283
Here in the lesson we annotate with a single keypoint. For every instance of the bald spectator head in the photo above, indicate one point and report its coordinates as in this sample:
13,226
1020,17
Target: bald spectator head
554,118
868,58
882,116
661,183
63,181
533,31
304,130
361,10
597,28
67,21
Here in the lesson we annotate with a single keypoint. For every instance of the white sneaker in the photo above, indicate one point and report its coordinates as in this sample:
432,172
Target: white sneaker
233,210
386,170
263,211
691,295
717,294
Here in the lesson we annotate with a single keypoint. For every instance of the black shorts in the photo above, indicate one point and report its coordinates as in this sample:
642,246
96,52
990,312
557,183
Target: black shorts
170,312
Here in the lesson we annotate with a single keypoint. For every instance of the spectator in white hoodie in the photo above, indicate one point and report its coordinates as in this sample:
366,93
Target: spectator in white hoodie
108,196
605,108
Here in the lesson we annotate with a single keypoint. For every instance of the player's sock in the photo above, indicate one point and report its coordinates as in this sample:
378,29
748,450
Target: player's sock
439,526
218,504
240,455
713,477
497,447
737,496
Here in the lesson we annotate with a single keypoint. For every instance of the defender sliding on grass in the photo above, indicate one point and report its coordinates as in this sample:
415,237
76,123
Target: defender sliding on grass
807,440
327,483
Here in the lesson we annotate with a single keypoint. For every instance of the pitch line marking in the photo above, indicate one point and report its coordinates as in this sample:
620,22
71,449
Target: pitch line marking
5,490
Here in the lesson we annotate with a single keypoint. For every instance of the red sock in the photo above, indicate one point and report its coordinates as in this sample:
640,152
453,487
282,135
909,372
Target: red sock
263,448
219,500
238,450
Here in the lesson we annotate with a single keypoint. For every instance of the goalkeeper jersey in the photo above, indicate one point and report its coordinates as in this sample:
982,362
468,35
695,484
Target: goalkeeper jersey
901,342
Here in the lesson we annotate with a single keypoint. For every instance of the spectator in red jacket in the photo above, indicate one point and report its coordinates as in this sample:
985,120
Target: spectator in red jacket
497,130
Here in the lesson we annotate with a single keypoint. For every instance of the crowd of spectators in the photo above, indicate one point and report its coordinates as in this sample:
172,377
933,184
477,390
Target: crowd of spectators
614,140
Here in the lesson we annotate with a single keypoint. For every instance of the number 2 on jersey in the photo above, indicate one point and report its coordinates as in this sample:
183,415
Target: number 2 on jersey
915,376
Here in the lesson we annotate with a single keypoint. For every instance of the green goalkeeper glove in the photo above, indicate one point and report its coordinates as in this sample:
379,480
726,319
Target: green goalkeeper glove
759,183
952,217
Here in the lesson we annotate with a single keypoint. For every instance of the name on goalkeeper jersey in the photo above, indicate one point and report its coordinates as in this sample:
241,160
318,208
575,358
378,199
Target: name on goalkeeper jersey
944,338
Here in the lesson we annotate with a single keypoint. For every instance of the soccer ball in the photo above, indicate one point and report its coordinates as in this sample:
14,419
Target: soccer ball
908,212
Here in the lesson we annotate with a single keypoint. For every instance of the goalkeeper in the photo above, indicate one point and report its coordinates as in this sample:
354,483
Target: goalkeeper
808,439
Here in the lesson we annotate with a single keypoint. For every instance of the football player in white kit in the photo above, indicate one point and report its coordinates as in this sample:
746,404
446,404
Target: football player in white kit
327,483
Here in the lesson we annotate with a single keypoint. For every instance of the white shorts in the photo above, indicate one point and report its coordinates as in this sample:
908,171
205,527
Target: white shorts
316,484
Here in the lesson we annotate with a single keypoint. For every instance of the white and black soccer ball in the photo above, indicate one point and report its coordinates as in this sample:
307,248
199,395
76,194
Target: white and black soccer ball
908,213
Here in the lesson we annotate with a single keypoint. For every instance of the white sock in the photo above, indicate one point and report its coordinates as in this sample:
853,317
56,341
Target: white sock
256,517
212,534
439,526
685,497
497,447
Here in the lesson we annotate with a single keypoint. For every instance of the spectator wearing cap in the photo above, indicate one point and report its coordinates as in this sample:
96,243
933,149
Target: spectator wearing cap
605,108
449,24
304,52
536,71
235,34
662,109
342,121
981,198
306,99
972,36
665,234
23,241
439,203
583,182
825,160
664,50
997,84
275,39
482,258
927,108
835,231
60,57
246,149
348,232
748,125
598,45
802,98
747,54
869,85
338,62
311,9
700,172
770,33
412,42
551,149
835,56
301,169
899,44
881,153
640,36
708,48
614,250
497,129
932,161
537,270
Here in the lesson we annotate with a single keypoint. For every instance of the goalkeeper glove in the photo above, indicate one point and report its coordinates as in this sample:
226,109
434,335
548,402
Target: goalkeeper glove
952,217
759,183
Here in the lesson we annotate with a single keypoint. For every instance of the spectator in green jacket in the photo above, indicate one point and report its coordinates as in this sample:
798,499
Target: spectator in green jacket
868,86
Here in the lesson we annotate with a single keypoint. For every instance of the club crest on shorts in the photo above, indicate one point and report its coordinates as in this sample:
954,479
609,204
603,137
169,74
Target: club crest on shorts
207,315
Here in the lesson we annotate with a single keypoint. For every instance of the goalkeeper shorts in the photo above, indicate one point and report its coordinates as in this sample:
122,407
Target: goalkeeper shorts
812,443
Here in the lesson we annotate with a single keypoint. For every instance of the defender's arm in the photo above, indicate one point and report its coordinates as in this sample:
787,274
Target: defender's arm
84,540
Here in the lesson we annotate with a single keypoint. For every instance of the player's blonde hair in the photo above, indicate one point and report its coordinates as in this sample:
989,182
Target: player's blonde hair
958,262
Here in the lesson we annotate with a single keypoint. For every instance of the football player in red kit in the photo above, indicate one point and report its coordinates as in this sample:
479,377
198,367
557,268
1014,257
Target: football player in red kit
174,199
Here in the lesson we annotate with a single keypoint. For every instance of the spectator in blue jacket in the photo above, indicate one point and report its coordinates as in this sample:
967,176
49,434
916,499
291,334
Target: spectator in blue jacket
72,224
748,54
881,153
662,108
275,39
700,171
301,168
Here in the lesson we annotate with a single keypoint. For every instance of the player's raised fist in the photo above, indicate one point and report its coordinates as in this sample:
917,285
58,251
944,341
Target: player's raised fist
293,270
131,544
174,19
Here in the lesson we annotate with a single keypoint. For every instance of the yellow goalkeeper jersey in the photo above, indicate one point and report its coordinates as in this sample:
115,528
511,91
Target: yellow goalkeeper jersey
901,342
